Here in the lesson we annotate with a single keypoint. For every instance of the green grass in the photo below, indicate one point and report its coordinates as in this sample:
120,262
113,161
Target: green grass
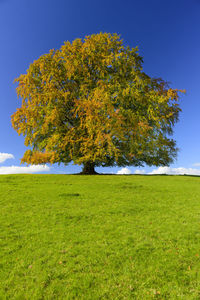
99,237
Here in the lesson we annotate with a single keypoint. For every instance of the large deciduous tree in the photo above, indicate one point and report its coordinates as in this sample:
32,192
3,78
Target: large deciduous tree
91,103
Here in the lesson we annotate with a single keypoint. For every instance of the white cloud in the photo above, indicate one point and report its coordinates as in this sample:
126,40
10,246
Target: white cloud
24,170
160,170
175,171
139,171
5,156
196,165
124,171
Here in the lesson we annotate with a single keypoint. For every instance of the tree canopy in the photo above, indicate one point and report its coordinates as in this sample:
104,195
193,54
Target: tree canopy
91,103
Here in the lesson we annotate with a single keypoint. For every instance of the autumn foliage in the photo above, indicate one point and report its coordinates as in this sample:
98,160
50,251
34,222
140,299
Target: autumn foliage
91,103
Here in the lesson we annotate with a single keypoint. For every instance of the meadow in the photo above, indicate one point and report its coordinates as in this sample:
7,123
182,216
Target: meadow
99,237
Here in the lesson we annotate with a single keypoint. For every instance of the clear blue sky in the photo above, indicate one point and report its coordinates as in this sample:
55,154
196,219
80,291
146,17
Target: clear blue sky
167,33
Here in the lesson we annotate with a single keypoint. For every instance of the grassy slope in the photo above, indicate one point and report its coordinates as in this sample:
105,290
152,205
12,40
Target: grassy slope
99,237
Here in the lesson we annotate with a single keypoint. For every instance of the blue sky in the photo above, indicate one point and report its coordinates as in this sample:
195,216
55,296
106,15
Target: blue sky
168,36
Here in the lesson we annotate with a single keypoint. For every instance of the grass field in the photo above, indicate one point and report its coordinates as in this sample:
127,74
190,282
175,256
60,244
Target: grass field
99,237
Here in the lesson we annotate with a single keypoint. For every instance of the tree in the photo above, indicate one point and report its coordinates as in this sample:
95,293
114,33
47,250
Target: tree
91,103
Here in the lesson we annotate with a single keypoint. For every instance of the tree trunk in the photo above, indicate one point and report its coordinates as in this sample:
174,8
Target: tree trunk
88,169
